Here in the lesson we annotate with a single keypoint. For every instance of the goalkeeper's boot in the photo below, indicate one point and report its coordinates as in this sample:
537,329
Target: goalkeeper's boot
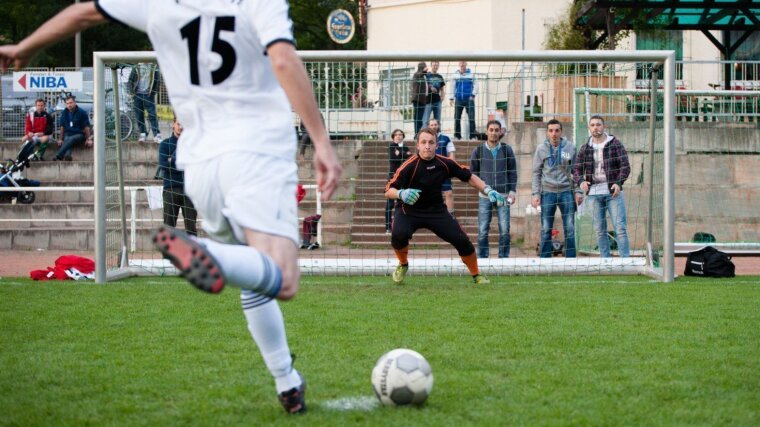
294,400
400,273
194,262
480,279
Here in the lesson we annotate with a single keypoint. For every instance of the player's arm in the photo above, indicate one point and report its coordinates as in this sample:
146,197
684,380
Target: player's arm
75,18
290,72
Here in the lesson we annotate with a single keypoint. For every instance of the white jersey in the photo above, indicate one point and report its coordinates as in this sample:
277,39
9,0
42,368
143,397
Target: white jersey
212,54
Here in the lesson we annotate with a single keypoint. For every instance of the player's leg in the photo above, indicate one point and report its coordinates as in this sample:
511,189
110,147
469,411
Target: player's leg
404,227
567,208
471,117
233,195
485,211
150,105
548,209
448,229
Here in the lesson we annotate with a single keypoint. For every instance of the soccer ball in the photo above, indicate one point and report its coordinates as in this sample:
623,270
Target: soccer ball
402,377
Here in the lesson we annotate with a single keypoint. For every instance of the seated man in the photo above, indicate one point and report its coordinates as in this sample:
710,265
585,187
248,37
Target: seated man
75,129
39,127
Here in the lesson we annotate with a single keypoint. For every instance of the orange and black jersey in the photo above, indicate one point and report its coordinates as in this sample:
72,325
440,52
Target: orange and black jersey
427,176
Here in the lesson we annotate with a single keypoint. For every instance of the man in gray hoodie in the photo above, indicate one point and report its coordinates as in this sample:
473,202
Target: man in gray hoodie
552,187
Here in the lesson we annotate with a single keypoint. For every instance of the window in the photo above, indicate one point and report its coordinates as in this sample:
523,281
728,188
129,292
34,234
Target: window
749,50
660,40
394,91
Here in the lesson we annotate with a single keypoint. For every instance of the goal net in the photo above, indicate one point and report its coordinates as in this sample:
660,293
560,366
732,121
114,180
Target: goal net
364,98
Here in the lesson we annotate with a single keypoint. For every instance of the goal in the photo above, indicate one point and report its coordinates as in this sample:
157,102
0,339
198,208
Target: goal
365,96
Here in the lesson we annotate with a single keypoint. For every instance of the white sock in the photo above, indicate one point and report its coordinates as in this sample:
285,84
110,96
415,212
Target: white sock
36,139
267,327
245,267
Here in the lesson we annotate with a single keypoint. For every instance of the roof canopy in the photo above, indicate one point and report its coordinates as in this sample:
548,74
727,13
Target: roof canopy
734,15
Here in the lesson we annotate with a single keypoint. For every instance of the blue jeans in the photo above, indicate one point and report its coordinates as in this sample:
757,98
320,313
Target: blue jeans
460,105
485,210
69,141
549,204
144,102
600,205
435,109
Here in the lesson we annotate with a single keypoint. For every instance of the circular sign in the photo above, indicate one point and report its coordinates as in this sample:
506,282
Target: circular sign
340,26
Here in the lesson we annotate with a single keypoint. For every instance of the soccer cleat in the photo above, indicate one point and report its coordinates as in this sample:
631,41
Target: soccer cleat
294,400
142,137
400,273
192,259
480,279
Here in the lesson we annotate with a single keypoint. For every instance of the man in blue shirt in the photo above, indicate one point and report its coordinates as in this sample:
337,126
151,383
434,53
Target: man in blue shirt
463,97
75,129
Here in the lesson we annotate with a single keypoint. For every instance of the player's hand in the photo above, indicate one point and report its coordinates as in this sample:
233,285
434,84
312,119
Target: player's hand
409,196
494,196
535,201
584,186
328,169
12,57
578,199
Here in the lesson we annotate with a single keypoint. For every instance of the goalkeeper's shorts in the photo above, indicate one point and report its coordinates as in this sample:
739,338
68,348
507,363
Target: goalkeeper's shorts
235,191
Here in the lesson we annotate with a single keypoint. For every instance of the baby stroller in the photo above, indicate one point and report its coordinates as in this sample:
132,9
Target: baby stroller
11,175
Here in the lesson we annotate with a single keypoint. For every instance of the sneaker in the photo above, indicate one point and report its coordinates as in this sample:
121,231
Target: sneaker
67,158
400,273
294,400
313,246
192,259
387,232
481,279
305,245
142,137
157,138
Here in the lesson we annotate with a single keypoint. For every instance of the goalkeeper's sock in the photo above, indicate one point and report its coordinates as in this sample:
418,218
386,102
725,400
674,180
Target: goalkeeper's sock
246,267
267,328
471,261
402,255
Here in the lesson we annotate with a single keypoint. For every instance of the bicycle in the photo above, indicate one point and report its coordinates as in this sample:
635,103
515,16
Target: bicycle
125,121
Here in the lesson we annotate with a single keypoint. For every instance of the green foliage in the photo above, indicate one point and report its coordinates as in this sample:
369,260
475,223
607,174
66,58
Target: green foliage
522,351
310,25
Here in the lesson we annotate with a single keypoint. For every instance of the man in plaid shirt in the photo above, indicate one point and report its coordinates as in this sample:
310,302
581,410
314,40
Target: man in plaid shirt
600,170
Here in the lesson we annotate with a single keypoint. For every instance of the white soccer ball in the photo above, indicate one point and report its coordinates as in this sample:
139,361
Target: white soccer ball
402,377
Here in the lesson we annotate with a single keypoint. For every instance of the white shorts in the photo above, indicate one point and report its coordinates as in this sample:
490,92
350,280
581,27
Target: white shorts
234,191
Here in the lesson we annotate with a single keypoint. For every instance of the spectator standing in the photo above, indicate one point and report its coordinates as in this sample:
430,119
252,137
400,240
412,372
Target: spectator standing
417,187
239,187
144,81
175,199
494,162
397,155
600,170
420,95
552,187
445,148
437,87
38,128
75,129
463,98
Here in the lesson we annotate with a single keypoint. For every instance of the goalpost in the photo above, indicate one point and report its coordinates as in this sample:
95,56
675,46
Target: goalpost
363,96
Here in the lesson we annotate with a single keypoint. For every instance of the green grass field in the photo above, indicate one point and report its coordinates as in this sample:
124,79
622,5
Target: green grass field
522,351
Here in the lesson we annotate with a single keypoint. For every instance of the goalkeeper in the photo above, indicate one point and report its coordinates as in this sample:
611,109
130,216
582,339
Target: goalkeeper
416,186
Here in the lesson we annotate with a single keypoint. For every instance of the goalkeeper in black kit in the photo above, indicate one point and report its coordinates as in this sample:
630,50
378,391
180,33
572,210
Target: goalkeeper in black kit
417,188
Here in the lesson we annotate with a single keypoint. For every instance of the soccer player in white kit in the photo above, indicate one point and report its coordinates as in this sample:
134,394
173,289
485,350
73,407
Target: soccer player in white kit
230,68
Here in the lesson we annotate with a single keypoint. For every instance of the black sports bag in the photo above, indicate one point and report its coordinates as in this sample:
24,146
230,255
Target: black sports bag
709,262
